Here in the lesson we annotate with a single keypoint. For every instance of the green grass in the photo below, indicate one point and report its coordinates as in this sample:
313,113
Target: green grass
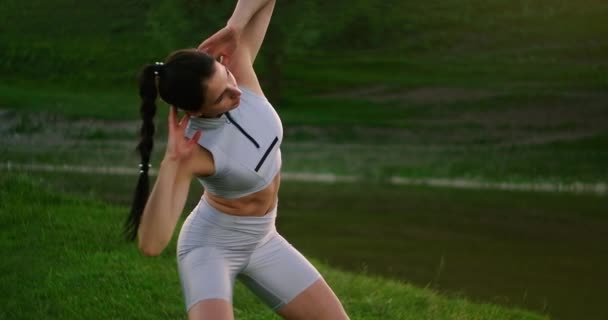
439,42
328,72
72,102
489,246
65,260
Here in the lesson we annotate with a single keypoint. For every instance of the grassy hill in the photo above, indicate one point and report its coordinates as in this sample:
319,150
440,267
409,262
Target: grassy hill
65,260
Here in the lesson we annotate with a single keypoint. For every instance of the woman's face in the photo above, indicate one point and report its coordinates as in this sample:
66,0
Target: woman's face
222,93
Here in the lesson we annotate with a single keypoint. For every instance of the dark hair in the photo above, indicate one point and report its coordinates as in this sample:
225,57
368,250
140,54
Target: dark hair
181,84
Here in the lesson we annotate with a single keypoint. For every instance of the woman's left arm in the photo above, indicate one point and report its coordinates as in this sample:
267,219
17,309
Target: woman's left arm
251,27
239,42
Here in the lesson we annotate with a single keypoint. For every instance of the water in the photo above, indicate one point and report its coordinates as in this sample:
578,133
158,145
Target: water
546,252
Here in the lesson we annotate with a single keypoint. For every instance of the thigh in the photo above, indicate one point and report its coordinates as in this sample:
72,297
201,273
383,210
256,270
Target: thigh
205,274
317,302
277,272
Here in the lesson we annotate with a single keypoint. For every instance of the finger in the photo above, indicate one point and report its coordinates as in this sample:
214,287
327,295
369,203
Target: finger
214,37
207,44
203,47
194,140
172,117
210,51
183,122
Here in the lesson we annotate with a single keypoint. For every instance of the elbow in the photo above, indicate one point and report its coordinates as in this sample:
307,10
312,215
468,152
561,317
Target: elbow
151,243
150,252
150,249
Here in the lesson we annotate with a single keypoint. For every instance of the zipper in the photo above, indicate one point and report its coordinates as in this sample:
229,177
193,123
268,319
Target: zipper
276,139
257,145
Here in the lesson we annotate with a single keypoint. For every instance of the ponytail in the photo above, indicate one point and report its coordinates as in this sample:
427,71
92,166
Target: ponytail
148,93
179,84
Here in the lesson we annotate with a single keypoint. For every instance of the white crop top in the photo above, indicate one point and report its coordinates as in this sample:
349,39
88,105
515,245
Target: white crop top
245,144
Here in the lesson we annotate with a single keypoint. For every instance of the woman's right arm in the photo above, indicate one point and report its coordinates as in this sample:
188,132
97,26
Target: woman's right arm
183,160
159,217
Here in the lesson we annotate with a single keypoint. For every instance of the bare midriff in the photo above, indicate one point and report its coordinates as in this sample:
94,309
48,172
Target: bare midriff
255,204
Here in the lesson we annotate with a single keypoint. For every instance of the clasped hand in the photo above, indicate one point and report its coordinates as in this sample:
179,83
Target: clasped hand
222,44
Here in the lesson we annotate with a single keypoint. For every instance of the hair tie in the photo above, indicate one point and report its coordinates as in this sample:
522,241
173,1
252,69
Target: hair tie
158,67
143,168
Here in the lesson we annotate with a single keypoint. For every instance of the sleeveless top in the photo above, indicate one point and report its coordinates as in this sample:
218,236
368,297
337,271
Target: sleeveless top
245,144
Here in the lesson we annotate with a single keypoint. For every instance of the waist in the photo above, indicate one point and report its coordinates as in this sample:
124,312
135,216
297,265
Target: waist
256,204
208,226
220,217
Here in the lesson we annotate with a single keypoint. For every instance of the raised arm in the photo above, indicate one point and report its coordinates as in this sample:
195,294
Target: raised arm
239,42
251,19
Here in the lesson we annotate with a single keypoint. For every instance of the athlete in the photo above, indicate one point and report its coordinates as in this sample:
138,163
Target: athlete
229,139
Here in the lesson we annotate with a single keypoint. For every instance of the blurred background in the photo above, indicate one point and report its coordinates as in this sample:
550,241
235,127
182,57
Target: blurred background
460,145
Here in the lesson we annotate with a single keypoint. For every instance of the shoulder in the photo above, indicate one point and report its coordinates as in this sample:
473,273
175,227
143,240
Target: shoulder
199,163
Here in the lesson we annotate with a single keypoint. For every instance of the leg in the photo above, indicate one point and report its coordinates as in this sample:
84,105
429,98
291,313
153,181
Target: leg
316,302
207,284
288,283
211,309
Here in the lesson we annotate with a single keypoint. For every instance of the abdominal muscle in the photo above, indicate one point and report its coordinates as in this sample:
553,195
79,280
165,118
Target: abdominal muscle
255,204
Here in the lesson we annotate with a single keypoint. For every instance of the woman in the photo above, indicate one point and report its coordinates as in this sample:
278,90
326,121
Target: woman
232,145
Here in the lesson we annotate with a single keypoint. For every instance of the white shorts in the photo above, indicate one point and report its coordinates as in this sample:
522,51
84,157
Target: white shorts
214,248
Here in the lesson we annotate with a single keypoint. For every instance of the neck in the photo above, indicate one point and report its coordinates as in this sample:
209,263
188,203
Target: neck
211,117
